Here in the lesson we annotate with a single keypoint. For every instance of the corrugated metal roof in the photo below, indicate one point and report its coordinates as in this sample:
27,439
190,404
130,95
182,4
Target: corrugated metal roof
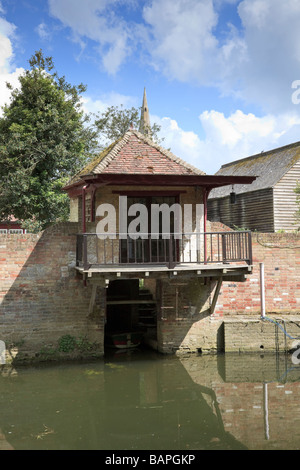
269,167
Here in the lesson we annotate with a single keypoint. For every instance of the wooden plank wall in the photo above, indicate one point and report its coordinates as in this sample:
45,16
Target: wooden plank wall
252,211
285,200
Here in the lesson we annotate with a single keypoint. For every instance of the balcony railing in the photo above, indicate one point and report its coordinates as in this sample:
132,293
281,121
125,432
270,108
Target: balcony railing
104,250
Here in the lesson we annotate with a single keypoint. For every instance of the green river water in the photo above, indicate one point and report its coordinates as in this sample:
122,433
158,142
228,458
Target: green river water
141,400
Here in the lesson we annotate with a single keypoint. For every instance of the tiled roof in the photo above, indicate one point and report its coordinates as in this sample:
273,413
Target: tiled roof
135,153
269,167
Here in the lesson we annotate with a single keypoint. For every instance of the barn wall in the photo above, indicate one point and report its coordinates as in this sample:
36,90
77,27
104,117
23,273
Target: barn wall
252,211
285,200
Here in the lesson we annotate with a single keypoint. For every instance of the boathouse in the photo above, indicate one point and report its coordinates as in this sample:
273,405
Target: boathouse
160,283
269,203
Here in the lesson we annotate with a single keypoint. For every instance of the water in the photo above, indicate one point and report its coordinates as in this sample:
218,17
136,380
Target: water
145,401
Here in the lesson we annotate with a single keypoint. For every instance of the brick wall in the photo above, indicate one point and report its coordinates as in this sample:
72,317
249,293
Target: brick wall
239,304
186,324
280,253
42,298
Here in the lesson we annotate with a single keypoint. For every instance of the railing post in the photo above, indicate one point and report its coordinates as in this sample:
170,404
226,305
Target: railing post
85,260
77,250
250,247
223,247
171,260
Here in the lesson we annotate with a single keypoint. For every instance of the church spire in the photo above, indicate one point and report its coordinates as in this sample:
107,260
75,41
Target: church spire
145,119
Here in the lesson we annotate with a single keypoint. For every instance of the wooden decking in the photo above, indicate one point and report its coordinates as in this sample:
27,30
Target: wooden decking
129,271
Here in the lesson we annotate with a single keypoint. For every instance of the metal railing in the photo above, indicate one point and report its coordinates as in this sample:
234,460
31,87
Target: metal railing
94,249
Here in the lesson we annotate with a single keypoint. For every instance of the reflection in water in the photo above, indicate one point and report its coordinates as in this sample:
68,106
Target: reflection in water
147,401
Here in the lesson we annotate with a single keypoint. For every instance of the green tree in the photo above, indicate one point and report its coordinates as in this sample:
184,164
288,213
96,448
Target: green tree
116,120
44,139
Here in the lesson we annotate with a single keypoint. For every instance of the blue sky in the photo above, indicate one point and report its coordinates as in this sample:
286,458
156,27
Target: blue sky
218,73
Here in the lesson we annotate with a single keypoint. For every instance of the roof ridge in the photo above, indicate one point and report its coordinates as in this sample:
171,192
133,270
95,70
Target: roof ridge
107,155
262,154
122,142
166,153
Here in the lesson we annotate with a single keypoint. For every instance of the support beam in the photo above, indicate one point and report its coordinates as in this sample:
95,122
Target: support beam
216,295
93,298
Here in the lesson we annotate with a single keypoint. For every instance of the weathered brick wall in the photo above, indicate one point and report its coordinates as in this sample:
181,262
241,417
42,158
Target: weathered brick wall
280,253
186,324
42,298
239,304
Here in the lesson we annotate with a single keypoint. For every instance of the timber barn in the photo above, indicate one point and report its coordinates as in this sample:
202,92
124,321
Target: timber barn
269,203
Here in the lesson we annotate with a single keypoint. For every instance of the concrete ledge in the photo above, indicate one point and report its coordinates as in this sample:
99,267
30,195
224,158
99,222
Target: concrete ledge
253,334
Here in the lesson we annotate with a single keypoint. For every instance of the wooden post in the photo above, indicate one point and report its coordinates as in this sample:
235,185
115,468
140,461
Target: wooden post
171,259
250,248
224,254
93,298
85,261
216,294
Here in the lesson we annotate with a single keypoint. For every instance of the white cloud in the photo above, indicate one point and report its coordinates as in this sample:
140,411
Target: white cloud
8,73
270,47
6,31
95,20
100,104
184,144
228,138
43,31
186,40
257,62
181,40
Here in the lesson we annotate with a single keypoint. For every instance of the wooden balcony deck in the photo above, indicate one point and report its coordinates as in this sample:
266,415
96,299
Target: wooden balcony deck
202,254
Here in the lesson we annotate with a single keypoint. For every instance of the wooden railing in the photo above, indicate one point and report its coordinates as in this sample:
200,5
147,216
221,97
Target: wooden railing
100,250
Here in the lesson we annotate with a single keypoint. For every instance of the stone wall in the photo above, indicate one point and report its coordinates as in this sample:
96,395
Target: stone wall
275,333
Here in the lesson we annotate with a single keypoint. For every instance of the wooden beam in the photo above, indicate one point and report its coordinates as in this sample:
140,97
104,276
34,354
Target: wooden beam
130,302
163,180
93,298
216,295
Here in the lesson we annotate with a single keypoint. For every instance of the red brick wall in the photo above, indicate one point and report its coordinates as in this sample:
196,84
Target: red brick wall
280,253
42,298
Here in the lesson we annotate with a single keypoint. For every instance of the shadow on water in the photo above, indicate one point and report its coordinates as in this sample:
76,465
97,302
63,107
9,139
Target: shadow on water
134,401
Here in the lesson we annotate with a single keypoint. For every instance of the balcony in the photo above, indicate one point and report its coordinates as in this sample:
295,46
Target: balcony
227,252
